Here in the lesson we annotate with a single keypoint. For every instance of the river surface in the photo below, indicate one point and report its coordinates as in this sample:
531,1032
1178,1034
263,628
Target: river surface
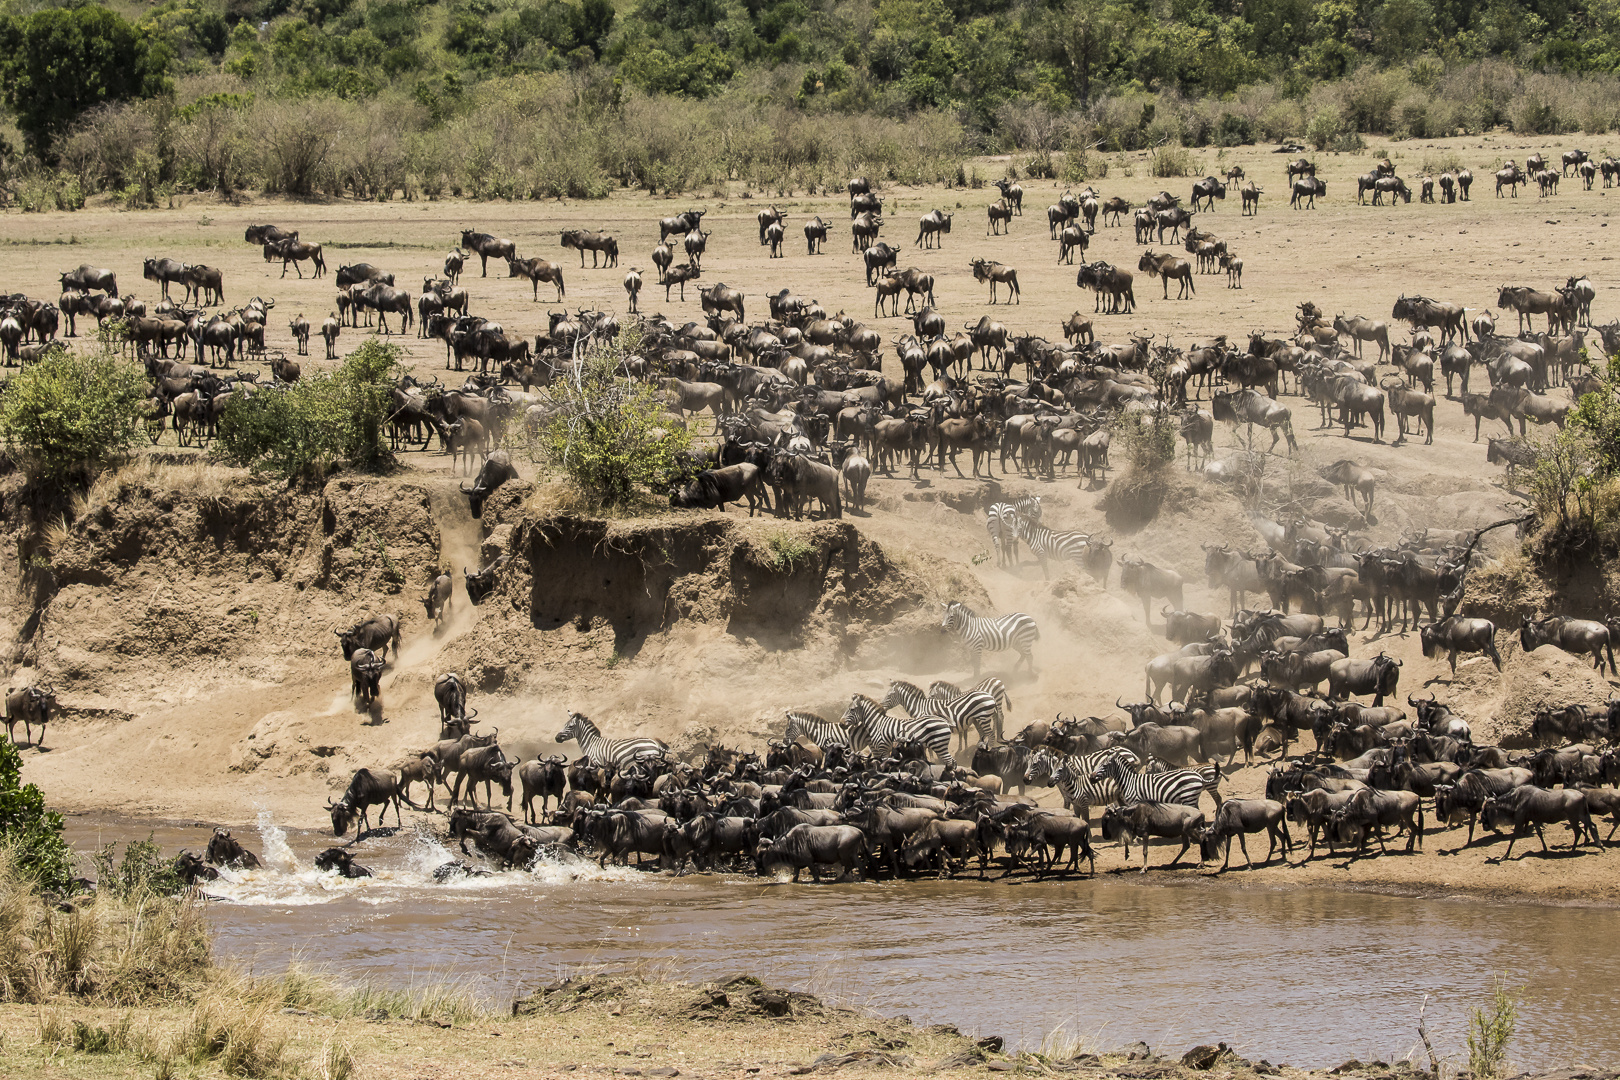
1307,977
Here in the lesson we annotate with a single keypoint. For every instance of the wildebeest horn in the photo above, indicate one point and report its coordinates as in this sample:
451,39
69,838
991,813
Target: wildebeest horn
464,487
469,716
1117,703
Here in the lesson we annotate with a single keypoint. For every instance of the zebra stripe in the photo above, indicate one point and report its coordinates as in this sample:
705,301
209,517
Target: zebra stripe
1028,507
974,710
1047,544
619,753
868,723
1176,786
1072,775
823,733
1002,522
993,686
980,635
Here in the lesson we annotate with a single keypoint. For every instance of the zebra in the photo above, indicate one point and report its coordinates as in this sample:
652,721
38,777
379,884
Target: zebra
1045,544
1072,776
868,723
1174,786
1028,508
972,710
618,753
823,733
944,691
1016,631
1002,521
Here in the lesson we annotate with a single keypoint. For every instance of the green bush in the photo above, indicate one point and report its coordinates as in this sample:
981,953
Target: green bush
71,413
32,833
1173,160
610,434
142,872
318,421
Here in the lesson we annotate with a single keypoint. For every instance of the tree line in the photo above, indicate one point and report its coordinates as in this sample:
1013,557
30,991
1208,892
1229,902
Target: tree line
1115,74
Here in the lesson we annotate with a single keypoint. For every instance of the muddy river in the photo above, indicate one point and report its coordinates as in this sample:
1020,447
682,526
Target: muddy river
1310,978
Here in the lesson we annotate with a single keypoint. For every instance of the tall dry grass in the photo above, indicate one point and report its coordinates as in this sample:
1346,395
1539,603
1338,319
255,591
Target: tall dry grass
115,948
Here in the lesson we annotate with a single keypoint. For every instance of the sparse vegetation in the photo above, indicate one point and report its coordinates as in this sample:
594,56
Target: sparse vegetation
1490,1030
789,549
71,414
320,420
609,434
1172,159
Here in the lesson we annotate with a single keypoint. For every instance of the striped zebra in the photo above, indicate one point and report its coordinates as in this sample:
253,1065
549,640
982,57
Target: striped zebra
1072,776
823,733
1028,508
980,635
869,724
1002,522
967,711
993,686
1175,786
1046,544
619,753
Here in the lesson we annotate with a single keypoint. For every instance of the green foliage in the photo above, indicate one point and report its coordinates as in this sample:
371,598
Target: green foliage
72,413
321,419
788,550
32,833
63,61
609,434
142,872
1490,1029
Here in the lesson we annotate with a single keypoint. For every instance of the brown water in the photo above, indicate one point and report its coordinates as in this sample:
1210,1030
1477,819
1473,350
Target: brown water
1309,978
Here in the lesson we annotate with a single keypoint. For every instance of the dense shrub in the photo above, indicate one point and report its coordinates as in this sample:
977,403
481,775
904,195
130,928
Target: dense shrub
321,419
30,834
609,434
71,413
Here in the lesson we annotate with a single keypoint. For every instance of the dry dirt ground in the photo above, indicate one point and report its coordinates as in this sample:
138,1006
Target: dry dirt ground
190,629
616,1025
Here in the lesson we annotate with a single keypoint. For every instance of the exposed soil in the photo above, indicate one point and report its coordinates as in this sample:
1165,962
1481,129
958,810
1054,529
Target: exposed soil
185,614
624,1025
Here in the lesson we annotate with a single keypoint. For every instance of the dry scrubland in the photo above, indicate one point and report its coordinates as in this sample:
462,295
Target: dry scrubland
190,607
613,1023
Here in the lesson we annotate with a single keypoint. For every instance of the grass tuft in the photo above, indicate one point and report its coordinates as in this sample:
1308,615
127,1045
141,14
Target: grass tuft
1490,1030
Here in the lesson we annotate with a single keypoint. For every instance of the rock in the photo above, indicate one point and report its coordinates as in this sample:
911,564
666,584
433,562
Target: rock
1350,1066
1137,1051
991,1044
771,1003
1203,1057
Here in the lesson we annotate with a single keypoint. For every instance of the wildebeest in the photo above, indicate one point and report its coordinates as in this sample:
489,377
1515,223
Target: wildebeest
1575,636
813,846
1456,635
225,850
376,633
368,788
365,672
1148,583
496,470
484,245
437,600
336,859
480,583
713,488
538,270
451,694
1238,817
994,272
31,705
1307,188
1378,676
1142,821
1530,807
545,777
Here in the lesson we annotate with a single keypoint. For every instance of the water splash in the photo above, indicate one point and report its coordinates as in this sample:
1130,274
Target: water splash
273,842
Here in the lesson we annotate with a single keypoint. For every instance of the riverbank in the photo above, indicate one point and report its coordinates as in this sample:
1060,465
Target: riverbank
616,1024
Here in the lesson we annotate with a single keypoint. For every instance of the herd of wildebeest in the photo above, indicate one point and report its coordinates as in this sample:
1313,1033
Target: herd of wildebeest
804,413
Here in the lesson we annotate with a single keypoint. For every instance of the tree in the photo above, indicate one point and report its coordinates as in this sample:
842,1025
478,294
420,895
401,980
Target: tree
61,62
69,414
31,832
1082,35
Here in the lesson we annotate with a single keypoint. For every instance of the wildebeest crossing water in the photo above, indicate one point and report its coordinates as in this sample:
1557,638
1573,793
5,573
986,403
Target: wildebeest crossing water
1307,977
